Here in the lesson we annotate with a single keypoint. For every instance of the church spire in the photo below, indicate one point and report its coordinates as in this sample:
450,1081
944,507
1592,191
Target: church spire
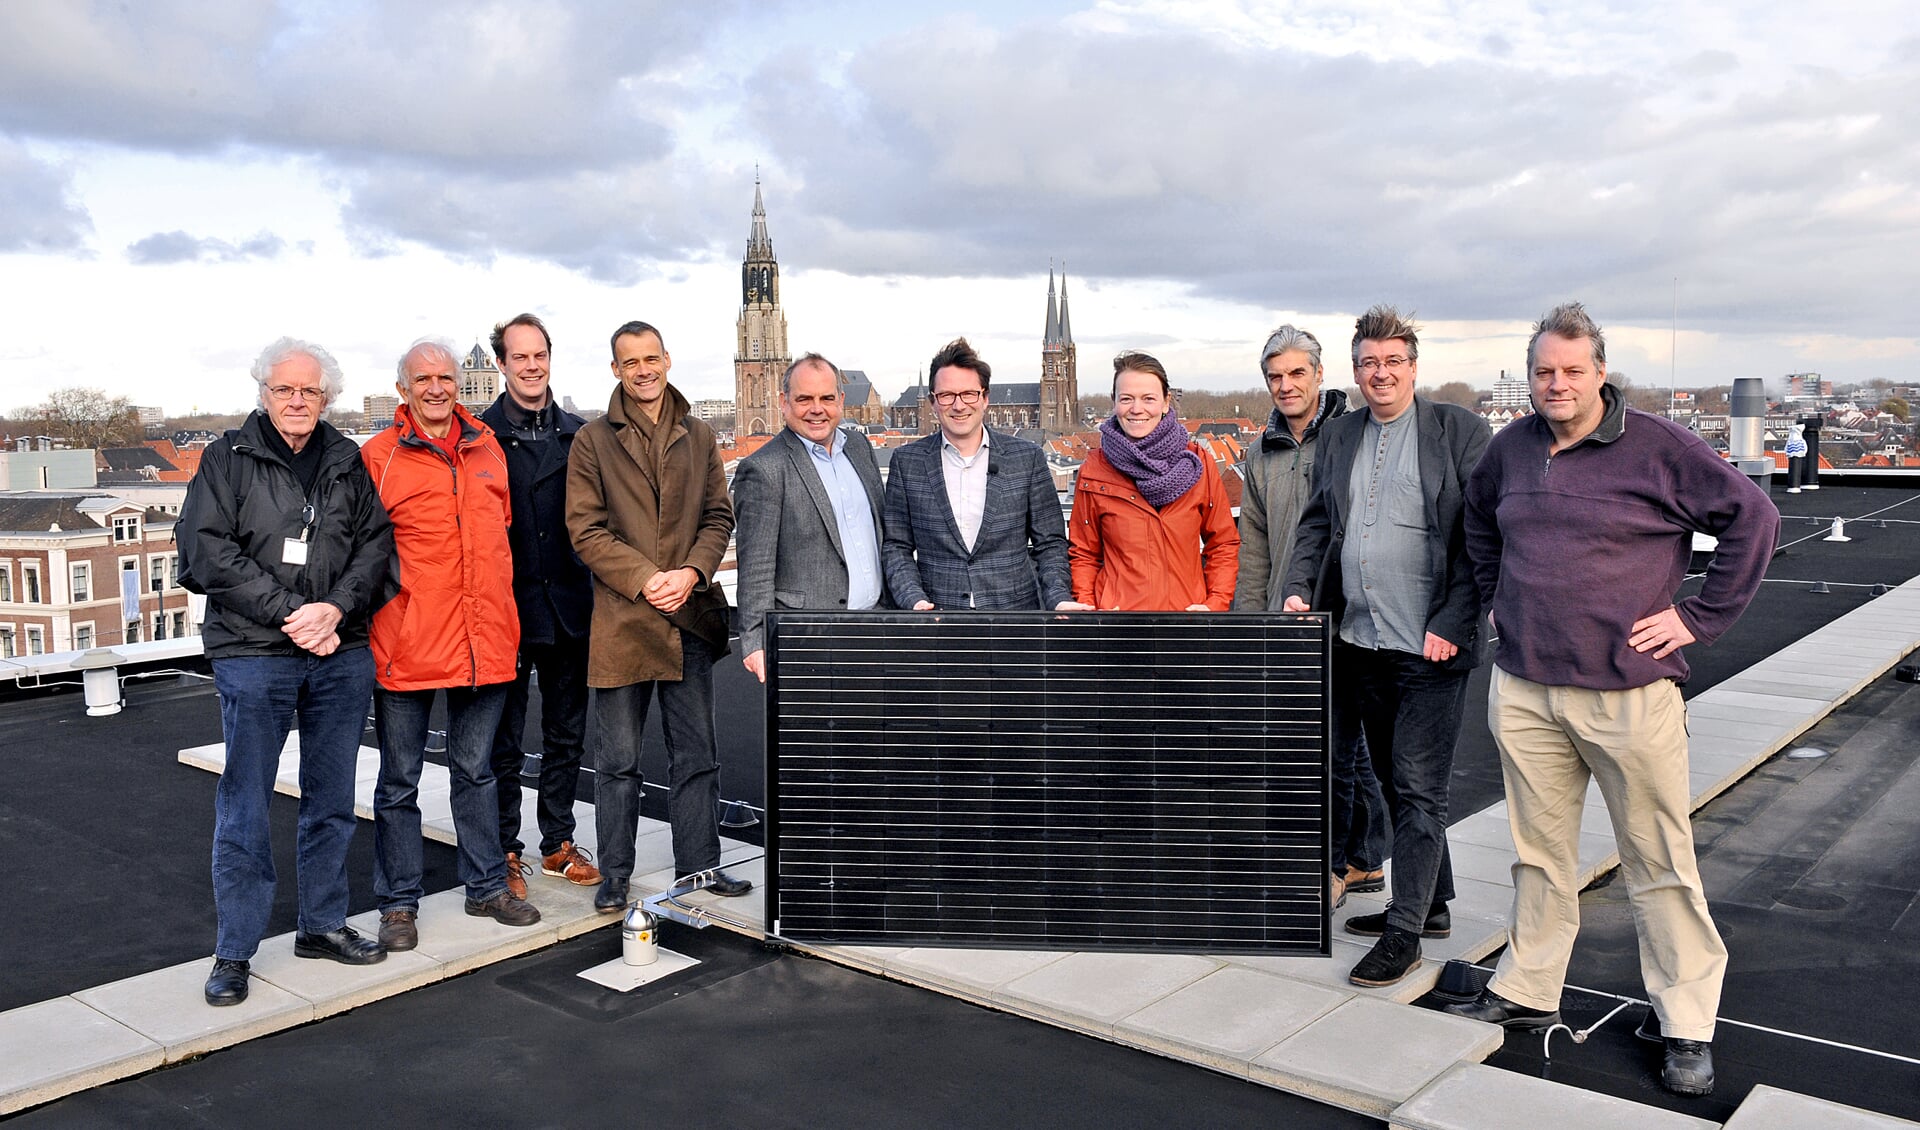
1053,314
1066,325
759,243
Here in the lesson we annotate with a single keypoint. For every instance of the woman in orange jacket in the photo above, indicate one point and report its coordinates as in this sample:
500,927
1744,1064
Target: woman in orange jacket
1152,528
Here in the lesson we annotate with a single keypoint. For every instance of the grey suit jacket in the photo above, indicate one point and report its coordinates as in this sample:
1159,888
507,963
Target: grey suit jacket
1019,558
786,539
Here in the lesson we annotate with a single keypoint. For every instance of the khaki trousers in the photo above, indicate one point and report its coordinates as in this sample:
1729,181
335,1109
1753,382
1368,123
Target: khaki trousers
1634,744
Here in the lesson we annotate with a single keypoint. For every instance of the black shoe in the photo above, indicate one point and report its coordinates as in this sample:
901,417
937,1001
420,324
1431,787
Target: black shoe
1395,955
344,945
726,886
504,909
1687,1065
1496,1009
1439,923
611,898
227,984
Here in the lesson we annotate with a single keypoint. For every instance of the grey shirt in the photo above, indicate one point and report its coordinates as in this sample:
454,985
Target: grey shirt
1383,559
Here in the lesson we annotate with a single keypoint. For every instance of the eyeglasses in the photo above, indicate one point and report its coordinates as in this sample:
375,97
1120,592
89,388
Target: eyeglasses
1394,364
964,396
289,392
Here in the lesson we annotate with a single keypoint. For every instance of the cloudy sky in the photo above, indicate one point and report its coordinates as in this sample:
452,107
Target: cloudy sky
183,180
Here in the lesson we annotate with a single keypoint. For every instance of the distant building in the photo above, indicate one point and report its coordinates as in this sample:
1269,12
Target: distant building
1057,396
1511,392
44,469
862,402
711,410
151,417
379,411
87,570
479,380
912,411
760,346
1808,386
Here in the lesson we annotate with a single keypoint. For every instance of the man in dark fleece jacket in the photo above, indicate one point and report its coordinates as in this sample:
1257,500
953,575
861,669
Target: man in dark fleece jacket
1579,523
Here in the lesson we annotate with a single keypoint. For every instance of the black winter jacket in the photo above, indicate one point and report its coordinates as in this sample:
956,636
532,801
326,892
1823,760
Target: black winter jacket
552,590
244,504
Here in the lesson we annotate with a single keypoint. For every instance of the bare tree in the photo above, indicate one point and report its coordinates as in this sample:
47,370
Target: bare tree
1456,392
85,417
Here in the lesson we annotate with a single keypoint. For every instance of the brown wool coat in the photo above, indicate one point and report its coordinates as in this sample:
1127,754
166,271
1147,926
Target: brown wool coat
631,517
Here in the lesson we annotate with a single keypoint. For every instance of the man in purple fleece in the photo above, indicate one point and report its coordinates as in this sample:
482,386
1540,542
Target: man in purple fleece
1579,523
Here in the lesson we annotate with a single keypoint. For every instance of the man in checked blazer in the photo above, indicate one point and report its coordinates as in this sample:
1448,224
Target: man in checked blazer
972,519
807,508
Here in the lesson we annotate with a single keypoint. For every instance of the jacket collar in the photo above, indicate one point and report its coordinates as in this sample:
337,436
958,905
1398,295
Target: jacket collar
672,411
251,437
1613,419
1279,437
471,429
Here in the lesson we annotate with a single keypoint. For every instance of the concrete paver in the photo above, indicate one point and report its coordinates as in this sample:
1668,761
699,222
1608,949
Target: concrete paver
169,1007
1473,1096
1092,991
1370,1055
1227,1017
1770,1108
60,1046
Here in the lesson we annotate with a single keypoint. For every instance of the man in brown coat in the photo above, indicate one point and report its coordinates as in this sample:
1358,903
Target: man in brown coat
648,513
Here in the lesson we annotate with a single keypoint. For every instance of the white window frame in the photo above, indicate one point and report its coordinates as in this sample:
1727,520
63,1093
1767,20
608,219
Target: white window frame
131,629
36,640
83,636
179,625
126,528
80,581
159,625
9,642
156,572
6,582
33,589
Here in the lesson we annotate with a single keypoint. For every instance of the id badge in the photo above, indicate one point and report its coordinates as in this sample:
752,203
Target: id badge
293,551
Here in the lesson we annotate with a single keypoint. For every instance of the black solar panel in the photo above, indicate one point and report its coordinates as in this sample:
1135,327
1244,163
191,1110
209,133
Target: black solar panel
1028,780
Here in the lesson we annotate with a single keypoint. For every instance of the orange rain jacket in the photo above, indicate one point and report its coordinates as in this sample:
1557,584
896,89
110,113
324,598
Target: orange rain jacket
1127,555
453,623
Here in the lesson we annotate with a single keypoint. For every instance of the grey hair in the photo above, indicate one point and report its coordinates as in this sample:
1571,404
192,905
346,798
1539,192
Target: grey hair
786,378
1290,337
1384,323
1571,321
286,348
439,345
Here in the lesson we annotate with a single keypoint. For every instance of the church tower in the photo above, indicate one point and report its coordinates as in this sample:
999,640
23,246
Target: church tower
760,349
1059,366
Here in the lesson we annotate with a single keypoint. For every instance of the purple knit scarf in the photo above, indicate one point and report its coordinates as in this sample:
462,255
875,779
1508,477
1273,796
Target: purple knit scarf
1161,464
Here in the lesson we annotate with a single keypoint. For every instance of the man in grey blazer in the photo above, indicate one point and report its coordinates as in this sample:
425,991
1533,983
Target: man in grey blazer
807,512
972,519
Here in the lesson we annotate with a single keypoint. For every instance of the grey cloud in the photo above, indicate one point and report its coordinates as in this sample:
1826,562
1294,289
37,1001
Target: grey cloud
37,207
182,247
1466,190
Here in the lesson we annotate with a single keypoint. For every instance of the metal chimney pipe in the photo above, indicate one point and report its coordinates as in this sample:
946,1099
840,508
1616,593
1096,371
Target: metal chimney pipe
1745,429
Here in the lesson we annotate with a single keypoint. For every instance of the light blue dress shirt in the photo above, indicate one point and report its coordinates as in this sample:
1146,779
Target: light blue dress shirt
854,515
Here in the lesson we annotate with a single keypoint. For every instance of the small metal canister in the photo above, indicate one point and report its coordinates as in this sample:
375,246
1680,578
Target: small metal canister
640,937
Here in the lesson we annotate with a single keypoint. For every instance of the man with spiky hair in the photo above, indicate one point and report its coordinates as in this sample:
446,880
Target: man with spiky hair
1591,497
1381,548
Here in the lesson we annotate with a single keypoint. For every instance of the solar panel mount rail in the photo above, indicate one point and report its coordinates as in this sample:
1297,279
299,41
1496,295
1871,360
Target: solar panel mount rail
1026,780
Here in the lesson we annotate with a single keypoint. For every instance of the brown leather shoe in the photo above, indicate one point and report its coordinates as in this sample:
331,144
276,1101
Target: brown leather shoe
572,863
397,930
517,873
1361,881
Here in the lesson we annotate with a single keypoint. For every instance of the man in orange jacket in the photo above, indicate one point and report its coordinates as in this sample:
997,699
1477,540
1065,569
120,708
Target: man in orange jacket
452,626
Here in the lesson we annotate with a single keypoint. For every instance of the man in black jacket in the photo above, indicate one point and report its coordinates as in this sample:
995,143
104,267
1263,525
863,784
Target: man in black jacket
285,535
553,592
1382,547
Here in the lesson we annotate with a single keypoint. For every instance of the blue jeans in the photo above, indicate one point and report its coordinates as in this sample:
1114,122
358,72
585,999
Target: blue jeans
261,698
615,720
1359,831
400,719
1410,709
563,725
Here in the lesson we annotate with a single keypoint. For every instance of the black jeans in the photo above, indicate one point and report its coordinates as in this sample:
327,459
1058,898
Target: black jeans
1410,709
616,717
563,728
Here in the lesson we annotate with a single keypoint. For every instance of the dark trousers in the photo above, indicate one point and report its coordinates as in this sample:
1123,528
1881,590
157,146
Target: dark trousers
399,858
563,727
1360,829
261,697
616,716
1410,709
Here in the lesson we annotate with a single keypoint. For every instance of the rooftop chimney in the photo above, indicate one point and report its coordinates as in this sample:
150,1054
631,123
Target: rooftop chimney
1745,429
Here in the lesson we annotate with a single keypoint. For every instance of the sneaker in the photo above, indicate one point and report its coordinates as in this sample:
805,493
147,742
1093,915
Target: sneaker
1361,881
504,909
517,873
1395,955
572,863
397,930
1439,924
